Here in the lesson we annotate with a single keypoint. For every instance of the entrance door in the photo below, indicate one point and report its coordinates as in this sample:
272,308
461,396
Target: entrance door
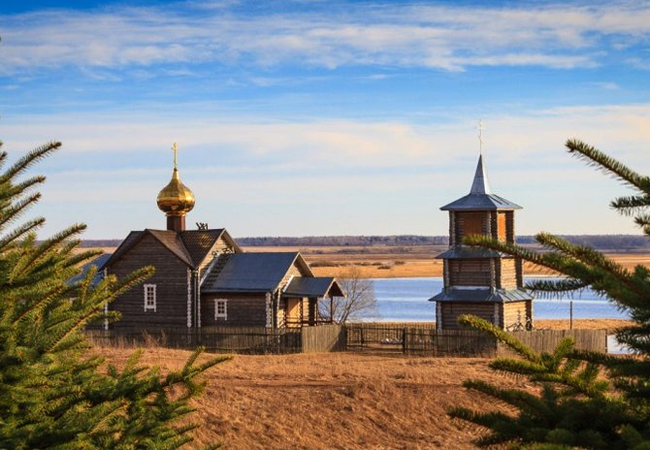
294,312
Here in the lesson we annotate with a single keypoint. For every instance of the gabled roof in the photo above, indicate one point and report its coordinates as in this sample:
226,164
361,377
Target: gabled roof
127,243
172,240
480,197
313,287
199,242
255,272
190,246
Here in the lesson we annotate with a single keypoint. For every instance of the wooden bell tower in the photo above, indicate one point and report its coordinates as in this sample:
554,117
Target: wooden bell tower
477,281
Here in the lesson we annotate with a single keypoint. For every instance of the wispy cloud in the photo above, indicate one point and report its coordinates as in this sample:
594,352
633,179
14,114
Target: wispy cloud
294,171
247,145
442,37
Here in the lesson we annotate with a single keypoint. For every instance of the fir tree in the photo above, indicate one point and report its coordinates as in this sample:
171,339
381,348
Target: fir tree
54,394
577,407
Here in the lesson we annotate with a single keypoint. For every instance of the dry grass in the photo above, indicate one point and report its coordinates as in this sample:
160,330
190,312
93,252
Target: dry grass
407,262
333,400
582,324
339,400
400,261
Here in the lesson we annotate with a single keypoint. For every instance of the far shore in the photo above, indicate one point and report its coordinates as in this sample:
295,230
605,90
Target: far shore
400,262
397,267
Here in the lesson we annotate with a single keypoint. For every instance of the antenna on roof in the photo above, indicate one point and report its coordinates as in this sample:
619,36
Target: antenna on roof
480,137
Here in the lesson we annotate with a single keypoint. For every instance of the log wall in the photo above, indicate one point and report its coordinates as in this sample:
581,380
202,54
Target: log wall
507,278
451,310
170,279
244,310
517,315
469,272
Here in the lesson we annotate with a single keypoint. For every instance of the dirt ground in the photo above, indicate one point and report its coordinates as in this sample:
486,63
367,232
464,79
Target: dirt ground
341,401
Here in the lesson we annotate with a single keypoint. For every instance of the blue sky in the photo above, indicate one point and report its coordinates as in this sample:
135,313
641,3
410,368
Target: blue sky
310,117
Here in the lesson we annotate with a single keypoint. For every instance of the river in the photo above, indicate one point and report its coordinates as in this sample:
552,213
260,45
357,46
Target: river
405,300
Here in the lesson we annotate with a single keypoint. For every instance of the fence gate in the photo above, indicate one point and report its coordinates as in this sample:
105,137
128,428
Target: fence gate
422,340
376,338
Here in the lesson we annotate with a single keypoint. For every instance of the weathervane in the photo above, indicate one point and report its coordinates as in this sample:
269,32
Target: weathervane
175,149
480,136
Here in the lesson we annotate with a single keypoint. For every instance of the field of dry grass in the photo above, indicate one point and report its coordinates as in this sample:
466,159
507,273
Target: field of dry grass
333,400
383,261
405,262
339,400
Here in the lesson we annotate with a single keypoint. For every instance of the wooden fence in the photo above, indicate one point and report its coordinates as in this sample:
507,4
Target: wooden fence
324,338
419,339
245,340
547,340
427,341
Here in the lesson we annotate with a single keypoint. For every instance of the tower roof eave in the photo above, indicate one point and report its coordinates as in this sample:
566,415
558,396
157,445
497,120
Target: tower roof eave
481,202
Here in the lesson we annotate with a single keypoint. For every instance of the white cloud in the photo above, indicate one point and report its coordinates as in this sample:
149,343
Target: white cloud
444,37
331,176
312,143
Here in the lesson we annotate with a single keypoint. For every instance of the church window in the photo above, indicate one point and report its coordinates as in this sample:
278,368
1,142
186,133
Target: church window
221,309
150,297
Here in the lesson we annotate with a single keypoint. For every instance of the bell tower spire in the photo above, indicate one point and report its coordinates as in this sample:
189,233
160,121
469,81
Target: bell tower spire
480,184
478,281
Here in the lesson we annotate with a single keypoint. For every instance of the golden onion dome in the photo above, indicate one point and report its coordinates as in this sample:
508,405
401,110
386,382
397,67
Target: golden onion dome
175,199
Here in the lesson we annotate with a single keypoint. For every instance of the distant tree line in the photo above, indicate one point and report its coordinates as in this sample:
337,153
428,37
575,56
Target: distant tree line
600,242
329,241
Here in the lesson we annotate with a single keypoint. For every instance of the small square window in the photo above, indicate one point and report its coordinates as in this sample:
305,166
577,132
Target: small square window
150,297
221,309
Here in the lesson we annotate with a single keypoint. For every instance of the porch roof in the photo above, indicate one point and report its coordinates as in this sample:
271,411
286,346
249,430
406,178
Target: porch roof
313,287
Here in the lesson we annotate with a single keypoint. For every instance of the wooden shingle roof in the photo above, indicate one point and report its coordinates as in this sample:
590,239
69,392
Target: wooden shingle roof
190,246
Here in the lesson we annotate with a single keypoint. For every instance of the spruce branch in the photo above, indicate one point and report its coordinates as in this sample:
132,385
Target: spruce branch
599,160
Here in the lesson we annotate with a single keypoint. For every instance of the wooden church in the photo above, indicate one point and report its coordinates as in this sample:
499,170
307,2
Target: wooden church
203,278
477,281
